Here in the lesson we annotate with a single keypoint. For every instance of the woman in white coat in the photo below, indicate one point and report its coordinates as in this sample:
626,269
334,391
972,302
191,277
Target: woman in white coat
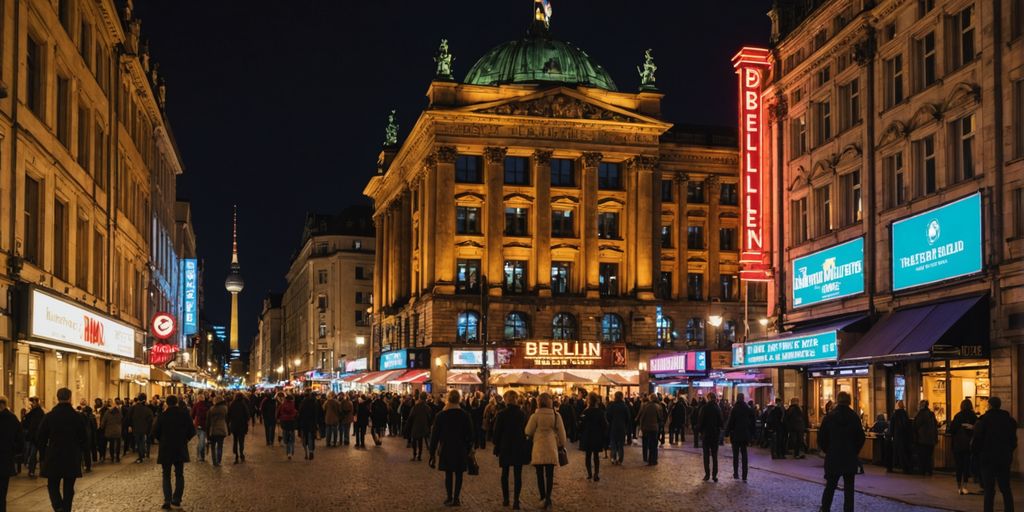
548,433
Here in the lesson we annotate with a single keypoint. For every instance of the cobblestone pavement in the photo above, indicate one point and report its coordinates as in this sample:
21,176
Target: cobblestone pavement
383,479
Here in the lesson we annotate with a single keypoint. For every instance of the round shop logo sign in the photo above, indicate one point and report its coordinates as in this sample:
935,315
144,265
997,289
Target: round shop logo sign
162,326
933,232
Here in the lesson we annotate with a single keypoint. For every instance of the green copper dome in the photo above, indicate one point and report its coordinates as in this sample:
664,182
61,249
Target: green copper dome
538,58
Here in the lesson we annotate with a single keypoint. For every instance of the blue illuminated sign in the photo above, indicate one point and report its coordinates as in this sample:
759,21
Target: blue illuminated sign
940,244
829,274
394,360
190,323
787,351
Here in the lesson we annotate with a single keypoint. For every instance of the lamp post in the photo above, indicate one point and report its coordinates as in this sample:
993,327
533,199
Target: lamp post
484,303
715,321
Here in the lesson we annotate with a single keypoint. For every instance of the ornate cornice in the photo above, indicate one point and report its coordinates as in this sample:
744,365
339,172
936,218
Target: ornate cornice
495,155
446,154
557,106
643,163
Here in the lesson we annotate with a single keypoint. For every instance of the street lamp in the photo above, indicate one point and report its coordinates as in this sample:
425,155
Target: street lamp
715,321
297,362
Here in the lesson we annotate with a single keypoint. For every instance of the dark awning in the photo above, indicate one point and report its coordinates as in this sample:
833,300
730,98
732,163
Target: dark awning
836,324
915,332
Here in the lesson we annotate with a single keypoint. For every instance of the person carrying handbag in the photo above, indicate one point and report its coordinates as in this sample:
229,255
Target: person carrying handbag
549,439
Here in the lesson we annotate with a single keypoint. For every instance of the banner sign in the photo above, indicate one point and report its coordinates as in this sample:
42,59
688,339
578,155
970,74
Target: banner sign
751,64
133,371
162,326
162,353
787,351
829,274
62,321
940,244
462,357
394,360
561,354
190,324
357,365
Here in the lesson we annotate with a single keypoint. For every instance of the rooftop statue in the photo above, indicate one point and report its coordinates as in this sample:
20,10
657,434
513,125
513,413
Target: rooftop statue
444,61
391,130
648,70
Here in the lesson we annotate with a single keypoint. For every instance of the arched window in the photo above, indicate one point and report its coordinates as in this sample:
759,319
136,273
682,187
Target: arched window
563,327
611,328
695,330
468,326
516,327
665,331
729,331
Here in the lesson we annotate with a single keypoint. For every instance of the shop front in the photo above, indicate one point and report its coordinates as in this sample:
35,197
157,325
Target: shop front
698,372
564,367
66,344
399,371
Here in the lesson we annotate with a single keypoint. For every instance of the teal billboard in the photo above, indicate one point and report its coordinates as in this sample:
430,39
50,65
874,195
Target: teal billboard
829,274
940,244
809,348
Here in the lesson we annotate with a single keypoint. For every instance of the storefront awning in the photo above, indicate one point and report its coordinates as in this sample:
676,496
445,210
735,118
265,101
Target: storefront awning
919,331
412,377
380,377
353,377
463,378
806,344
159,374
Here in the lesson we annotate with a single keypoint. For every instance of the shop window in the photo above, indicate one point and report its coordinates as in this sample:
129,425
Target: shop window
966,380
563,327
516,327
695,331
468,327
611,328
467,276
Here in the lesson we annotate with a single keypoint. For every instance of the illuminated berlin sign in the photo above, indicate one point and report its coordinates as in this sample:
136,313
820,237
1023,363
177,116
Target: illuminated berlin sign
751,65
191,298
562,353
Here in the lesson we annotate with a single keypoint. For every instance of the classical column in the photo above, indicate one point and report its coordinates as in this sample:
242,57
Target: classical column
427,222
542,213
645,265
682,232
714,190
443,198
588,218
388,257
378,267
405,232
494,181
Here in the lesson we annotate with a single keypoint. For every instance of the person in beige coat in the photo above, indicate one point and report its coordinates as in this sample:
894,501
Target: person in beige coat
217,428
332,418
548,432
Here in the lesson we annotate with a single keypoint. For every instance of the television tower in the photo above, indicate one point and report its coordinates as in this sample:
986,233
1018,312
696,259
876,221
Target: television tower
234,283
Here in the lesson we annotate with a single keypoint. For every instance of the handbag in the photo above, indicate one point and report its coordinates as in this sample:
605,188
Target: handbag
563,456
471,465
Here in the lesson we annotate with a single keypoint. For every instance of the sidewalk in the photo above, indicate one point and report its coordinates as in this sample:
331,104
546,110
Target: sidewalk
31,493
938,491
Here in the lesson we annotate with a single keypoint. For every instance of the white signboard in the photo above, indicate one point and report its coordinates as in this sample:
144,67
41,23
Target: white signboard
133,371
58,320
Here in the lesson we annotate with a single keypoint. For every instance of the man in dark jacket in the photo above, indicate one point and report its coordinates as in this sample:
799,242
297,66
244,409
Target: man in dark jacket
268,409
926,436
173,430
841,437
140,421
651,415
710,424
677,421
795,423
309,421
12,443
31,422
511,446
62,441
238,424
899,433
740,429
777,428
618,426
417,425
995,439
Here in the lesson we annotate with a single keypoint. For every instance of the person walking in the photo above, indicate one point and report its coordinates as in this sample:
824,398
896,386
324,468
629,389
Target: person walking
740,429
961,429
268,411
901,433
238,425
795,422
926,436
362,421
709,424
173,430
309,421
618,427
994,441
508,433
287,415
695,406
12,443
650,419
199,411
677,421
332,418
547,430
841,437
140,422
62,441
217,427
593,435
30,422
347,415
776,426
379,416
418,425
110,429
451,446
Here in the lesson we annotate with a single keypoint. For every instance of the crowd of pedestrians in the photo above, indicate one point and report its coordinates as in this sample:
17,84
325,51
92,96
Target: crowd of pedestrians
521,429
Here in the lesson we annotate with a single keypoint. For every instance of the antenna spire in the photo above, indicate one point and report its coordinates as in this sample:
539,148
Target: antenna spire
234,235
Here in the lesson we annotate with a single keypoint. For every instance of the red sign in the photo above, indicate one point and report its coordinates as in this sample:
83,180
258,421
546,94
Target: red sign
162,353
751,65
92,330
162,326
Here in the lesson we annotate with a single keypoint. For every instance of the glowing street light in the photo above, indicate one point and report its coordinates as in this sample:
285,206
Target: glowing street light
297,362
715,320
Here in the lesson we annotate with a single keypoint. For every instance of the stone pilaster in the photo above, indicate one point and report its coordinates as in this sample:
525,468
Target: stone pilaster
682,232
588,223
714,190
443,248
541,270
645,266
494,181
428,223
378,268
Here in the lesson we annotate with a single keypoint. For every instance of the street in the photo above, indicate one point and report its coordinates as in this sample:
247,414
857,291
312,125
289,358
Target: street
383,479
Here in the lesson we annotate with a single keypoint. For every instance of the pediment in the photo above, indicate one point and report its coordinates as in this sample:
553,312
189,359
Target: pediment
470,243
565,246
520,196
523,245
896,131
561,103
565,200
926,114
963,94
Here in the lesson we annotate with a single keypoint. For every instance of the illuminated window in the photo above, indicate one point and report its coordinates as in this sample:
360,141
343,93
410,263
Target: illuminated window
611,328
561,273
517,221
467,220
468,327
729,331
515,276
665,331
467,276
516,327
695,331
608,279
322,330
563,327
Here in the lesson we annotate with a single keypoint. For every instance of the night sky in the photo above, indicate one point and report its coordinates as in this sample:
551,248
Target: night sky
280,106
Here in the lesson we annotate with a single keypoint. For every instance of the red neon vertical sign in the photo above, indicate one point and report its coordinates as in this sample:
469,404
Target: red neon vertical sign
751,64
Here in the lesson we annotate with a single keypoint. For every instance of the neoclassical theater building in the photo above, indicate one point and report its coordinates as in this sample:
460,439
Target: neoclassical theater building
535,200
